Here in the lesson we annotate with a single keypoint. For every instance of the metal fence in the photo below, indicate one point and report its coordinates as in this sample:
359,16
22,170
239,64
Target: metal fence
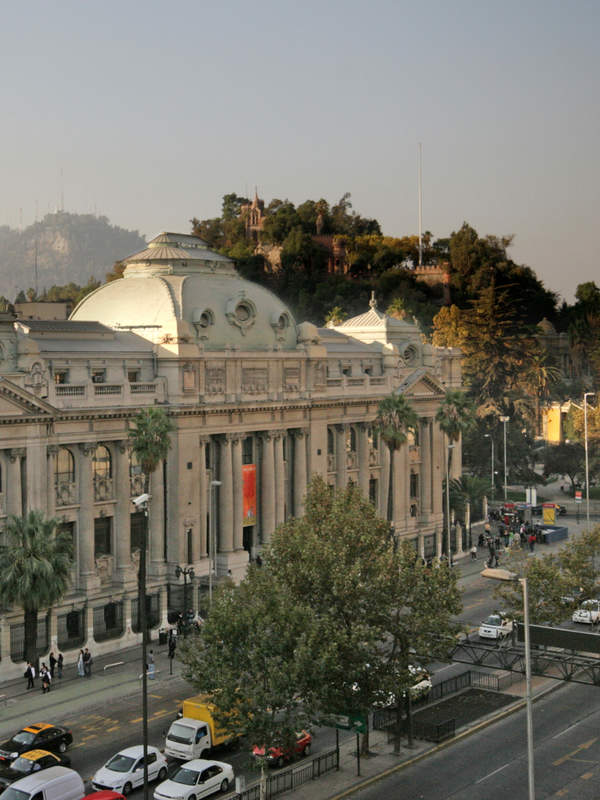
289,779
17,639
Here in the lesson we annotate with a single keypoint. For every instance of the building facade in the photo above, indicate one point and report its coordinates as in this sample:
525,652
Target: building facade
259,403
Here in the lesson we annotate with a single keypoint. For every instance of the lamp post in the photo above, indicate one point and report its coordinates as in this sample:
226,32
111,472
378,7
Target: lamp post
530,769
187,572
504,420
587,477
491,438
212,539
449,447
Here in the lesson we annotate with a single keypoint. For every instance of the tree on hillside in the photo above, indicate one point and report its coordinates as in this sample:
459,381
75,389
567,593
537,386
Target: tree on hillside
36,559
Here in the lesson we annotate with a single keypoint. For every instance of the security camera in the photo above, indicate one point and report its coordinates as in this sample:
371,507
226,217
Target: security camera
139,501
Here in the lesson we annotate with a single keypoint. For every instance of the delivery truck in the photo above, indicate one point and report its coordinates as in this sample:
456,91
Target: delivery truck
197,731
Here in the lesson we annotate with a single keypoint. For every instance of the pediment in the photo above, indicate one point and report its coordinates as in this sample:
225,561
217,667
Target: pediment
18,402
421,384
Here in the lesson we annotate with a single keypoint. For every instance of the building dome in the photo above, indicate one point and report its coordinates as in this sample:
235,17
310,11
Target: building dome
178,289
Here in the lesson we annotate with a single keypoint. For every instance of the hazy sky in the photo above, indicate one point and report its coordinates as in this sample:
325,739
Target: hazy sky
154,110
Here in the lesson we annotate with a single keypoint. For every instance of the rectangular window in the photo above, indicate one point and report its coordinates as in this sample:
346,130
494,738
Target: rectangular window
373,491
414,484
98,375
102,536
61,376
138,527
248,450
69,529
133,375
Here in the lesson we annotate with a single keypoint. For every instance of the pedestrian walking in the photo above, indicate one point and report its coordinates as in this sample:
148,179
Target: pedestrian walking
46,679
80,664
87,663
474,552
531,542
30,675
59,665
52,661
151,666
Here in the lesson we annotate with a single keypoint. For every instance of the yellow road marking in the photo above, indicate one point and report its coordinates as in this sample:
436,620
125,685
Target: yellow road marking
137,719
158,696
162,713
581,747
561,793
114,728
586,776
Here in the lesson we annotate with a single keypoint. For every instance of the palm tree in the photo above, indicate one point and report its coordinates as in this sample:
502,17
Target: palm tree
395,418
150,442
35,564
541,374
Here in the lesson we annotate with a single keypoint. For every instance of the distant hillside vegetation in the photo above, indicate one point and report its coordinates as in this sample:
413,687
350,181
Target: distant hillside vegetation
71,248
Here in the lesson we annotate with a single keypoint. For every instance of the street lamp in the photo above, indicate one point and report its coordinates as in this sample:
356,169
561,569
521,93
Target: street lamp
530,769
504,420
449,446
587,477
212,549
187,572
491,438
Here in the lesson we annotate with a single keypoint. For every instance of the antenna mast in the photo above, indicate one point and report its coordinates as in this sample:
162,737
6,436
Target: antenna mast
420,172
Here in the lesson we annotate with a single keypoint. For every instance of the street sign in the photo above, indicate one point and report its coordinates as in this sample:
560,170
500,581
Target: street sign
578,497
349,722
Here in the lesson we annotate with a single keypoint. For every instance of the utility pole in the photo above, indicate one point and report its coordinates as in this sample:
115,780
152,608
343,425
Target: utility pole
587,467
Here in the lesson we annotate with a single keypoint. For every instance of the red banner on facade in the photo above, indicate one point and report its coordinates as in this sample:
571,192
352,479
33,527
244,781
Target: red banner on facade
249,484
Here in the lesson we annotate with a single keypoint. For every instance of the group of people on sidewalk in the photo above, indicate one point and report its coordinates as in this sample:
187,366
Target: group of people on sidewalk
46,673
514,534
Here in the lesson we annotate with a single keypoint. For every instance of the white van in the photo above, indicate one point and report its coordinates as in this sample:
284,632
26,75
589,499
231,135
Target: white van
55,783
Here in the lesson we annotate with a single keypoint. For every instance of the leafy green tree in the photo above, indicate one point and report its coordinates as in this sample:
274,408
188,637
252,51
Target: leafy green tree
336,316
35,563
257,648
395,418
566,458
468,491
540,374
150,441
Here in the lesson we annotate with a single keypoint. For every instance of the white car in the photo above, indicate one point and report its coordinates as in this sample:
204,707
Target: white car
195,779
588,612
496,626
125,770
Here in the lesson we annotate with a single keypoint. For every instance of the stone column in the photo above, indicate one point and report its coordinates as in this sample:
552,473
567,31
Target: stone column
238,493
438,469
225,496
88,621
398,480
53,632
156,522
279,479
363,459
421,545
203,490
456,462
425,470
127,615
5,640
300,476
384,488
35,481
341,461
51,453
122,516
267,486
14,500
87,569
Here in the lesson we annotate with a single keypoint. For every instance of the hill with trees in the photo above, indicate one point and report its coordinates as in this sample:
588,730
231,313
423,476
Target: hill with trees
67,248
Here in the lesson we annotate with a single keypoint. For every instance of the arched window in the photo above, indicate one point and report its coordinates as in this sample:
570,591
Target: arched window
65,466
102,463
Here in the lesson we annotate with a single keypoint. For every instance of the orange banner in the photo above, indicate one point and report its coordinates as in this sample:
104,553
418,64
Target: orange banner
249,488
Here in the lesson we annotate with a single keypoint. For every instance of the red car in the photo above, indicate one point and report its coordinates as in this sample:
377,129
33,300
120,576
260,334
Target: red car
104,795
277,756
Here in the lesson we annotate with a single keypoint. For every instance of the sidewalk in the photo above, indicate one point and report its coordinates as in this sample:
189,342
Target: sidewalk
113,676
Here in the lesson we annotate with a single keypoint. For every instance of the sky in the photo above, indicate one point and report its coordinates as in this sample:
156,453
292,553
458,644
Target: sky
149,112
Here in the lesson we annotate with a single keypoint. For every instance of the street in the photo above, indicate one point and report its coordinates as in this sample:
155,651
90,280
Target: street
492,763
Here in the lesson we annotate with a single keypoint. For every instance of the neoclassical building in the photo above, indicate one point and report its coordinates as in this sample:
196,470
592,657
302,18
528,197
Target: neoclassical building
259,404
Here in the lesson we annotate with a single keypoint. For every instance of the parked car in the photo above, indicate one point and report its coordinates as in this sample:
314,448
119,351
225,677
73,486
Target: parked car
572,596
558,508
26,763
588,612
125,770
55,783
195,779
496,626
104,795
277,756
41,735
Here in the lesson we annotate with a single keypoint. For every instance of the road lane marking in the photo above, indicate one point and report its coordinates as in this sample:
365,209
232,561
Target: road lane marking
584,746
162,713
158,696
586,776
561,793
114,728
489,775
574,725
137,719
